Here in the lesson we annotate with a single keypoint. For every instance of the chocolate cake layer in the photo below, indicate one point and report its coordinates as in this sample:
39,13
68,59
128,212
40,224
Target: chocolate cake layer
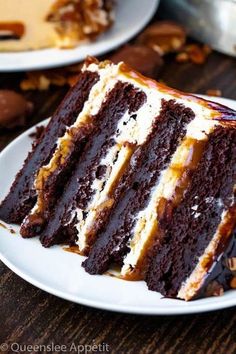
190,227
22,195
78,191
170,128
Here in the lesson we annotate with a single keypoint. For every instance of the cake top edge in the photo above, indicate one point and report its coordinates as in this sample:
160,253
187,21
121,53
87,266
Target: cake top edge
224,115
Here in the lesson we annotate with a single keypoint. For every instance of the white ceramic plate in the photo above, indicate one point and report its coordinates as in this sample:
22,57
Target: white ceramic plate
131,17
60,273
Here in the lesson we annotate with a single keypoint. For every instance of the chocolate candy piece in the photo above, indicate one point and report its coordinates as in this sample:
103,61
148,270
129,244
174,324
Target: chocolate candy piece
140,58
14,109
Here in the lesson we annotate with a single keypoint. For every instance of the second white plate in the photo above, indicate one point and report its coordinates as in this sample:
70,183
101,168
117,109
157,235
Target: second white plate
131,17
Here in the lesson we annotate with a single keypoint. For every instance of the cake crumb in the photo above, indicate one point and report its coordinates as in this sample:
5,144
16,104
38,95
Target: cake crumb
214,92
182,57
214,289
233,283
38,131
8,228
231,264
195,53
43,80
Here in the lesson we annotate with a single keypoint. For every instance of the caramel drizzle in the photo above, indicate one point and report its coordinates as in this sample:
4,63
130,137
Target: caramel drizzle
7,228
73,249
15,29
225,115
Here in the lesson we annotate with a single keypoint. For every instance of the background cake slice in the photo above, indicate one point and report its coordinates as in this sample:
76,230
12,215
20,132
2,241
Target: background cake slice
35,24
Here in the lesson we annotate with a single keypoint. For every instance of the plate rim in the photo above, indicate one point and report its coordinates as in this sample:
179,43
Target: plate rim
129,309
193,308
75,56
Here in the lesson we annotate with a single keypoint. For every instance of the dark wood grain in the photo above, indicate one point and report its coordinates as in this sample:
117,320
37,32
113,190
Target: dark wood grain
31,316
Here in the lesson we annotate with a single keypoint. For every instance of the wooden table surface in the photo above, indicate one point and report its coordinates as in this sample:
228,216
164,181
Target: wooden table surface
29,316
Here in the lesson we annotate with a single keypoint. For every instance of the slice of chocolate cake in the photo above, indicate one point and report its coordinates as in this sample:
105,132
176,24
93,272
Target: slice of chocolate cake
143,176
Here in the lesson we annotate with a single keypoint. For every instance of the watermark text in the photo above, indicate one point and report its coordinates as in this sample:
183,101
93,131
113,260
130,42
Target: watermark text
53,347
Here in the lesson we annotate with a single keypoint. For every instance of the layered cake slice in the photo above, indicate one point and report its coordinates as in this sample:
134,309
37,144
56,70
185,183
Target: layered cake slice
35,24
142,177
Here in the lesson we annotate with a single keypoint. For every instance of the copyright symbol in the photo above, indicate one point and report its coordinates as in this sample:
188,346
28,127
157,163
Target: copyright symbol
4,347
